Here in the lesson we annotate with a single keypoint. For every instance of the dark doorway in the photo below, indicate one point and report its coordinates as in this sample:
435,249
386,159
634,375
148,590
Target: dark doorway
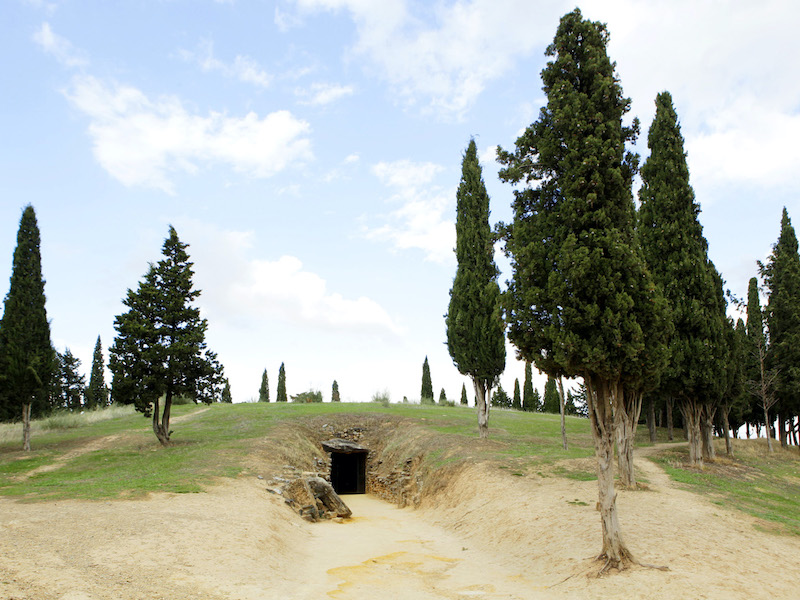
349,472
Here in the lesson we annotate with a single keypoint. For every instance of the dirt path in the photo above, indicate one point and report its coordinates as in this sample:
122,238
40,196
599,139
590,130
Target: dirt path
488,535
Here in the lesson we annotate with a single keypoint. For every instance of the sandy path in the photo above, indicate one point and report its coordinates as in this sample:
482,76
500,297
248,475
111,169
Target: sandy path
488,535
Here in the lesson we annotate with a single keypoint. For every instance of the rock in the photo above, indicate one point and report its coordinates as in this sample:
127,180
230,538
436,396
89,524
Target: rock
324,492
314,498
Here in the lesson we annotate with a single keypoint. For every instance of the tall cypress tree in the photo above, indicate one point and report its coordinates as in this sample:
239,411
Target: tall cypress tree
464,400
677,254
528,402
761,379
28,363
475,329
335,397
516,404
160,351
72,385
97,392
781,276
426,392
263,390
581,302
550,401
280,394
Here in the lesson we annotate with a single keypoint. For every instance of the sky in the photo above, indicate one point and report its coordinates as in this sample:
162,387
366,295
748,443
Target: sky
309,152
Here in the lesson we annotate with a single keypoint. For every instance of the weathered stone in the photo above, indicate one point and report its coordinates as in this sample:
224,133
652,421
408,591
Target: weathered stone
343,446
324,492
300,497
314,498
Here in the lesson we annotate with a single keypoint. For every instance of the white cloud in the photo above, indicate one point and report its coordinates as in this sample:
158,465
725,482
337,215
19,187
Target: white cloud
142,141
445,65
320,94
238,287
421,220
243,68
60,48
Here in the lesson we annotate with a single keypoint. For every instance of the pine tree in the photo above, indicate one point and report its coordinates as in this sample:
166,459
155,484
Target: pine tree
475,329
781,276
516,404
762,379
536,403
677,253
499,398
281,392
528,402
581,302
426,393
226,397
28,363
263,391
97,392
72,385
550,403
442,398
464,400
335,397
160,350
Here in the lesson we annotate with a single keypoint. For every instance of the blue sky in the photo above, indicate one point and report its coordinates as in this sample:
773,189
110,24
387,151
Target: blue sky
308,151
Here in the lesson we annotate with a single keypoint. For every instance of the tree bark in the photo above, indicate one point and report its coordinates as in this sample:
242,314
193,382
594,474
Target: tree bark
707,425
628,411
726,427
561,403
692,417
26,427
601,396
670,408
768,428
782,431
162,429
482,391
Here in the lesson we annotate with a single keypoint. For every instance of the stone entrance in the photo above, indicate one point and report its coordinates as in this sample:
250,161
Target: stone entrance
348,466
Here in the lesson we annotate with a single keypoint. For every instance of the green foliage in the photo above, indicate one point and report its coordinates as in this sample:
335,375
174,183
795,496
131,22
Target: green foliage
677,253
528,402
551,403
160,348
581,301
464,400
72,385
517,402
499,397
263,391
475,337
382,397
335,397
442,397
309,396
97,393
426,392
226,393
781,276
28,363
281,393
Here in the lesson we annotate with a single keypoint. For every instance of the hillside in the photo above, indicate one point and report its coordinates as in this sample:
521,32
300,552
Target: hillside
100,510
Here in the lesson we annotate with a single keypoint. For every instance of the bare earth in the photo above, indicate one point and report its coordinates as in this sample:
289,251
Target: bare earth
519,538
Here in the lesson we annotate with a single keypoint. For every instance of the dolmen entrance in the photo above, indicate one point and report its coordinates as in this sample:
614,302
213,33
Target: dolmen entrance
348,466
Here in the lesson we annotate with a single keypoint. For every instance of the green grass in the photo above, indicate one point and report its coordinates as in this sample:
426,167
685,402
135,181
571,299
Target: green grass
755,482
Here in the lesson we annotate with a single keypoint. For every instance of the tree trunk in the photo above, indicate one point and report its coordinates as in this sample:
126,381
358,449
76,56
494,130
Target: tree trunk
782,431
26,427
670,408
651,418
600,402
726,427
747,429
162,429
692,417
561,403
482,391
768,428
707,424
628,411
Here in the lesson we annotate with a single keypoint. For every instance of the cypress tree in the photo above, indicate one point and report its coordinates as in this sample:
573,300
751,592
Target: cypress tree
335,397
426,393
280,395
550,403
677,253
442,398
160,350
226,397
499,398
475,329
28,363
516,404
464,400
528,402
781,276
263,390
761,377
97,392
581,302
72,385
